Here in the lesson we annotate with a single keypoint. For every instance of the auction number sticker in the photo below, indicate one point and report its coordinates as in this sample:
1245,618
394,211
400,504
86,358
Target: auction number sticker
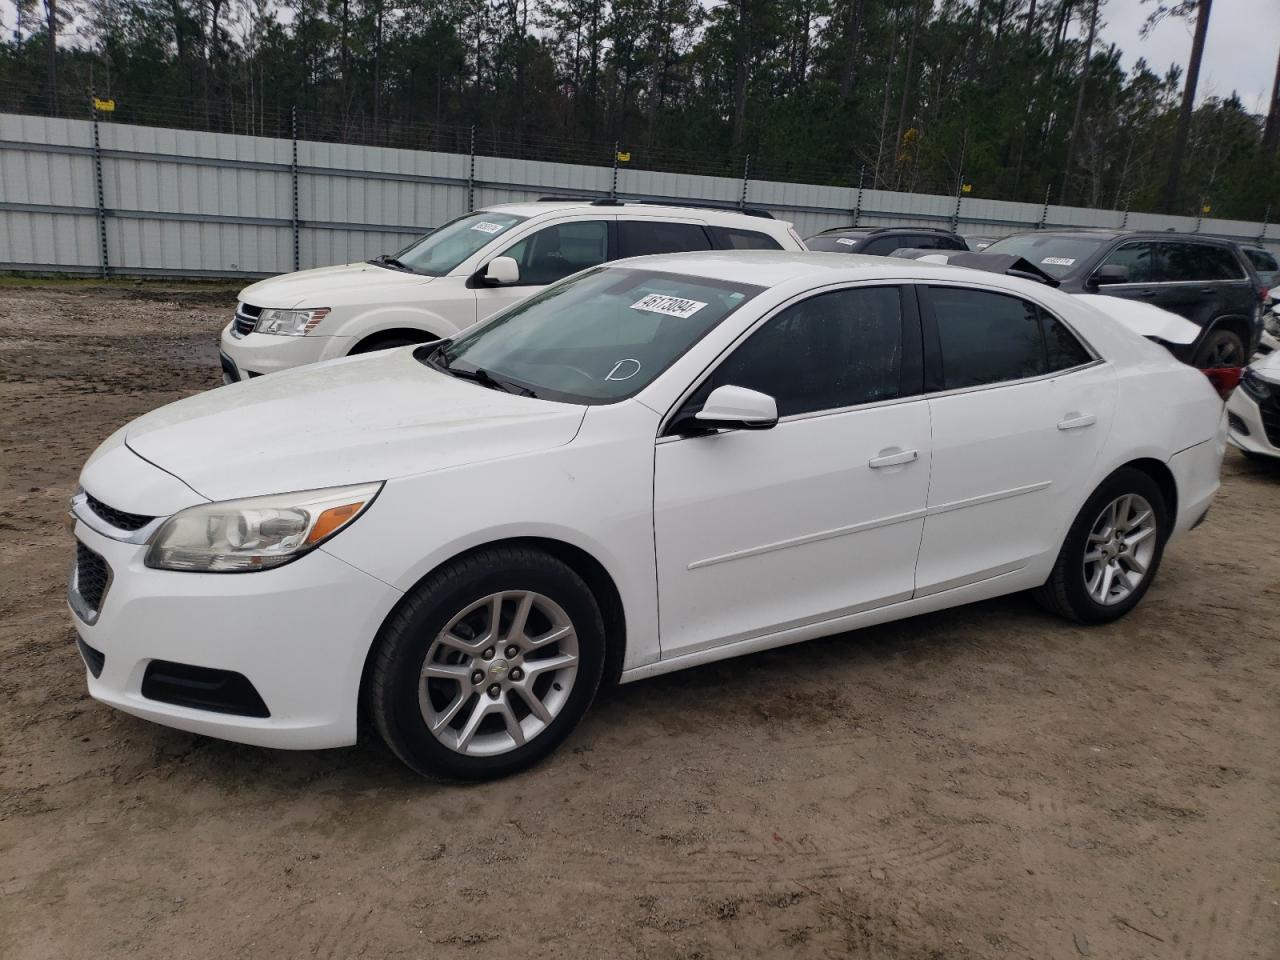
1059,261
484,226
847,241
668,306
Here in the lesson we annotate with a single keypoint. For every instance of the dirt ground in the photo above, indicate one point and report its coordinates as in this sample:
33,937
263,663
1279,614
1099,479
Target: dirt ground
986,782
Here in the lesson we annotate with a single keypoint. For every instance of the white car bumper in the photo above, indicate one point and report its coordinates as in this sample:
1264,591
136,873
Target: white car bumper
257,353
1248,430
298,634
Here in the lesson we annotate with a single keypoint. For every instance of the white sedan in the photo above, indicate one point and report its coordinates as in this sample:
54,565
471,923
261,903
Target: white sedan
653,464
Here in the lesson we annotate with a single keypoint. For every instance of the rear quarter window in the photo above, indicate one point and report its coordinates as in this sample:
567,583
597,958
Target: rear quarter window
736,238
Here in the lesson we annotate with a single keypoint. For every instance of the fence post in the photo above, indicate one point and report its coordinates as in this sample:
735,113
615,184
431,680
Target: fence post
1200,214
471,173
1044,211
857,204
613,189
1128,202
104,264
955,217
746,173
1266,219
293,173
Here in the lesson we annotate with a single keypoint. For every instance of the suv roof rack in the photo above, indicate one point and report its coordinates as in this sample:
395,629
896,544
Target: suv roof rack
694,204
871,230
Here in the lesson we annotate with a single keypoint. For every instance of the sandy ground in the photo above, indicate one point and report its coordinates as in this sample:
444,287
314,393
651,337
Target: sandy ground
988,782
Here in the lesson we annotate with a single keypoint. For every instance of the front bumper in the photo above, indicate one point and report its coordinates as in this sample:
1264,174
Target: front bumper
257,353
299,634
1248,424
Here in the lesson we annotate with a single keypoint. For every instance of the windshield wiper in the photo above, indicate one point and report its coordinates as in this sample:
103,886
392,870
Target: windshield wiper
440,360
386,260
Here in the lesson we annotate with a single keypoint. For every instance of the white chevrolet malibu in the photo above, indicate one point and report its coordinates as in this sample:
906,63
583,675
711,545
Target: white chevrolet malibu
651,465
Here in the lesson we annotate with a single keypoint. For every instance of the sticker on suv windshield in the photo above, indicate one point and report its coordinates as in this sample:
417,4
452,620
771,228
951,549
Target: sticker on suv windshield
1059,261
668,306
847,241
484,226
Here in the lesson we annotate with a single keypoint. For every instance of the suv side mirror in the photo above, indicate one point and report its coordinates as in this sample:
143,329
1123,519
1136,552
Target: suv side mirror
502,271
732,408
1110,273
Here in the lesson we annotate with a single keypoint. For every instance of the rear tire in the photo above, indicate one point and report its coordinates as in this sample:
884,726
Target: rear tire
1112,551
1221,348
468,679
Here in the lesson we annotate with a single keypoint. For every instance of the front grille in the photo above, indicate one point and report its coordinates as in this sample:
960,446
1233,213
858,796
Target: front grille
119,519
95,660
92,575
1270,409
246,319
202,688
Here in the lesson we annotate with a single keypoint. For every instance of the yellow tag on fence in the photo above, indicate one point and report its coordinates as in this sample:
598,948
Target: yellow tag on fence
103,106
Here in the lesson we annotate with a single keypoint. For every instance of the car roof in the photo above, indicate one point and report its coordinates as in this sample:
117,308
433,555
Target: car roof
713,215
1103,233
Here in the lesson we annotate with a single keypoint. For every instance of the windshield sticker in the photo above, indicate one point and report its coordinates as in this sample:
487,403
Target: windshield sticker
624,369
484,226
1059,261
668,306
847,241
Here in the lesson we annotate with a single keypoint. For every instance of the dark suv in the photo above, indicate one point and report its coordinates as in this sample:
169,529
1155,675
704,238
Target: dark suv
882,241
1206,280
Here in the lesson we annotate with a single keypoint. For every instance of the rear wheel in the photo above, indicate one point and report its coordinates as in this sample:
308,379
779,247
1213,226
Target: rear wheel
488,665
1111,552
1221,348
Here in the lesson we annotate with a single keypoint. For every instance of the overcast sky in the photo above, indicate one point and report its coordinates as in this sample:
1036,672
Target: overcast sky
1240,54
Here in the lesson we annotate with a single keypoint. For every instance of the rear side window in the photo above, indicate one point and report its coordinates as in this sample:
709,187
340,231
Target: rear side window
985,337
835,350
1262,260
1063,350
639,238
1199,261
733,238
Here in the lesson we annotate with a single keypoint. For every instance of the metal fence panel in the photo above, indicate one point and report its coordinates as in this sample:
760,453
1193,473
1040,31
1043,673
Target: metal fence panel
192,203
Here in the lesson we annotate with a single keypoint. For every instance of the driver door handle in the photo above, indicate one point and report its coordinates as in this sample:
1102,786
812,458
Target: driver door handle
1075,421
892,457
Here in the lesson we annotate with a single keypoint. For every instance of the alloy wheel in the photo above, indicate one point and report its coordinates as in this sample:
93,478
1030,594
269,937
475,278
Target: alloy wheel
1120,549
498,673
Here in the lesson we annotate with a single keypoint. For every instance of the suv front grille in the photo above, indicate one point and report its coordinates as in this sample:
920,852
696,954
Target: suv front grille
119,519
91,579
246,319
1270,409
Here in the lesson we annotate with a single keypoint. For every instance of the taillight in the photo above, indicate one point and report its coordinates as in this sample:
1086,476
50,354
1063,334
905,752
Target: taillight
1224,379
1263,293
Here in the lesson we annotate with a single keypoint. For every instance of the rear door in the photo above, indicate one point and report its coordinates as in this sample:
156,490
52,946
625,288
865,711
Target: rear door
638,237
1019,409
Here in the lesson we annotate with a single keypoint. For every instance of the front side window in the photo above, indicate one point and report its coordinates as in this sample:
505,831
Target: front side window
599,337
444,248
831,351
639,238
1138,256
554,252
985,337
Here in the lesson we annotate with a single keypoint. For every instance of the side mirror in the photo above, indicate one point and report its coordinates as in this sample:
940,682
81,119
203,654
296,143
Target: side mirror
1110,273
733,408
502,271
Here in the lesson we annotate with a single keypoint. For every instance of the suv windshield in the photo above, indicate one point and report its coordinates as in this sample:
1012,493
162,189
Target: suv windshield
842,243
1057,255
597,337
445,247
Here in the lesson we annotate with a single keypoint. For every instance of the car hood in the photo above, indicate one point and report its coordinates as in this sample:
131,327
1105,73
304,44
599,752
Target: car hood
369,417
357,283
1268,367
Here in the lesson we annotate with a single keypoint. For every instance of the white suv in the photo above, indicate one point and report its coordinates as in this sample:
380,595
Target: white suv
465,272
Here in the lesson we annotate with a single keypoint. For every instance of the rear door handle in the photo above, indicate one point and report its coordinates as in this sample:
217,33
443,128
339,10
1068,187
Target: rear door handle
1075,421
892,457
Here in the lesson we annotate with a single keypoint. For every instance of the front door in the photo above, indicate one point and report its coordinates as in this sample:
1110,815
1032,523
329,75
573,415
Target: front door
545,256
760,531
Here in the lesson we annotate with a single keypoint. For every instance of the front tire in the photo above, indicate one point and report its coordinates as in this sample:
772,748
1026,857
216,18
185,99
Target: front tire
1112,551
487,665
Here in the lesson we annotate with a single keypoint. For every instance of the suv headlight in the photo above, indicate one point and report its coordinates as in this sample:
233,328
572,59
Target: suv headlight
257,533
290,323
1255,386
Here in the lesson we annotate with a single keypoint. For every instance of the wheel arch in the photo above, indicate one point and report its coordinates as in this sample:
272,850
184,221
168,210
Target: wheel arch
1160,473
598,580
370,341
1235,323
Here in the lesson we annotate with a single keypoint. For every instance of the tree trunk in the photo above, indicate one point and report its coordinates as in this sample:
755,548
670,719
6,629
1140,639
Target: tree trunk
1173,184
853,32
1031,20
51,45
1073,140
884,107
906,79
1271,132
742,52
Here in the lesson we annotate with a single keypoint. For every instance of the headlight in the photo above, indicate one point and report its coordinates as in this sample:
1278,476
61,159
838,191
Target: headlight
290,323
1255,386
256,533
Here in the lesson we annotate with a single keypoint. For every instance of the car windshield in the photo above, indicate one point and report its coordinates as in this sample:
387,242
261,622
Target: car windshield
597,337
1055,254
441,250
833,244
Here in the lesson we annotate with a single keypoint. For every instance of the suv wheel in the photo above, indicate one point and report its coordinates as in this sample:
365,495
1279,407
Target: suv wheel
487,665
1112,551
1221,348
